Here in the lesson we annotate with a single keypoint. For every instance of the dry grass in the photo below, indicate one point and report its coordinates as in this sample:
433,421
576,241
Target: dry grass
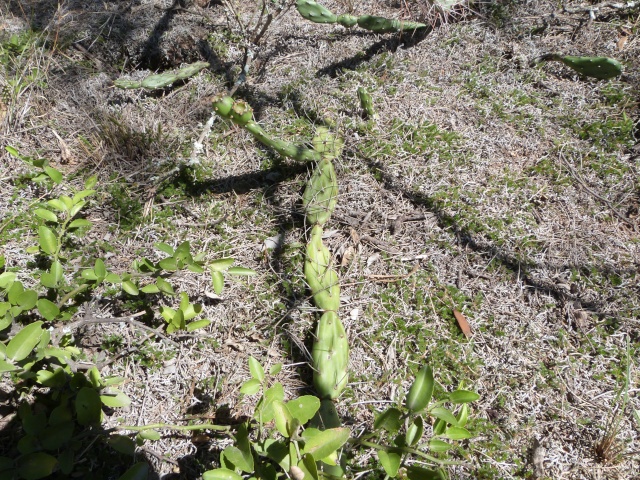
509,193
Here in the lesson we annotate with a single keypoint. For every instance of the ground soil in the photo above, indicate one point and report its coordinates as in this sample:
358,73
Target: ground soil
519,209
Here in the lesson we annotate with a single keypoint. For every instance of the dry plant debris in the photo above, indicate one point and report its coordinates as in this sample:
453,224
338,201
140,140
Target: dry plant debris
520,188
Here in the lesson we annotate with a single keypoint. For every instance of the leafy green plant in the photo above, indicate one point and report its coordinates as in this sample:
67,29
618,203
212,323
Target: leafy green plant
37,355
290,437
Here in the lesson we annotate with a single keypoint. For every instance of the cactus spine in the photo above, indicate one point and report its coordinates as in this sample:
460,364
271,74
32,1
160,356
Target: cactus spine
317,13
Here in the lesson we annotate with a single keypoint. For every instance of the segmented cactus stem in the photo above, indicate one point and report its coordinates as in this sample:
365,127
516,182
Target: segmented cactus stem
317,13
241,113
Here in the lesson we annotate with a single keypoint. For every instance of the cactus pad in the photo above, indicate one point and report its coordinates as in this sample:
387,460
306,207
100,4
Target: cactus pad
321,195
315,12
154,82
603,68
386,25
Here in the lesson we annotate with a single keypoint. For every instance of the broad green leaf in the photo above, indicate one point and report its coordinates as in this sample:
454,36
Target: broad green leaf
444,414
218,282
12,151
60,414
114,398
178,320
256,369
36,465
100,269
48,309
7,367
183,251
24,342
463,415
250,387
421,390
326,442
6,279
244,445
169,264
79,223
463,396
122,444
163,247
191,310
283,419
235,456
457,433
221,264
88,406
76,208
55,175
389,420
221,474
167,313
275,392
390,462
420,473
151,288
278,452
150,434
275,369
57,205
27,300
47,215
140,471
241,271
303,408
195,268
91,182
415,431
81,195
198,324
47,240
164,286
130,288
309,467
55,437
68,202
89,274
436,445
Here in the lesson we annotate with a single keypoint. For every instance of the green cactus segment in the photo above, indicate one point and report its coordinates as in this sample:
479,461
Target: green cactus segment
315,12
222,105
366,102
286,149
347,21
330,356
326,144
240,113
154,82
321,195
386,25
603,68
323,282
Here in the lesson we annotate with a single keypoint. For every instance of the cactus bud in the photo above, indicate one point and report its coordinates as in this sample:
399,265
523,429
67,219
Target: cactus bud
222,105
241,113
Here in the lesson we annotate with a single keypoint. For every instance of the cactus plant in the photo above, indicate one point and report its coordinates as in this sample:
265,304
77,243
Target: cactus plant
240,113
162,80
603,68
366,102
330,352
315,12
